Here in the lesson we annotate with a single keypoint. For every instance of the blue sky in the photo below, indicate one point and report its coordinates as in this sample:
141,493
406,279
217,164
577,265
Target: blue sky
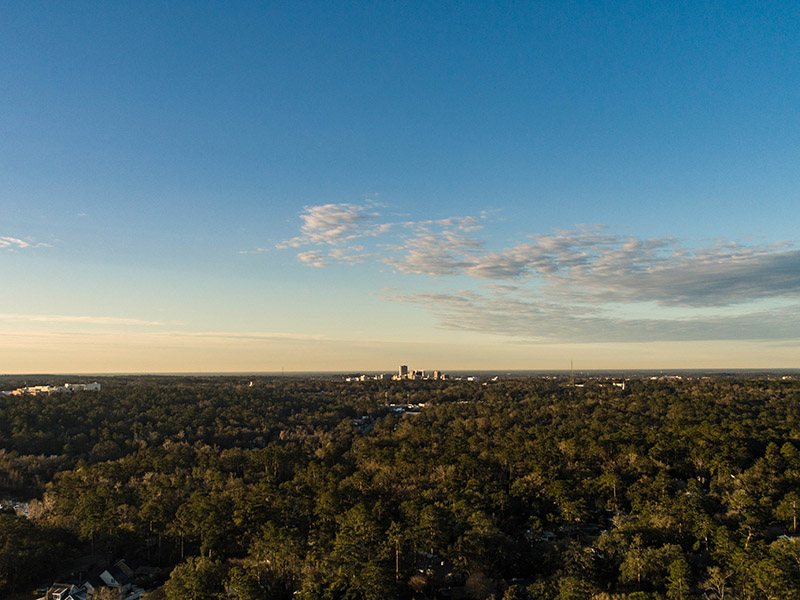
345,186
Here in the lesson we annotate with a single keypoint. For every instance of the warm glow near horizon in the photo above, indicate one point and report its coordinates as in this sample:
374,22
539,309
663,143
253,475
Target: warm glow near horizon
213,354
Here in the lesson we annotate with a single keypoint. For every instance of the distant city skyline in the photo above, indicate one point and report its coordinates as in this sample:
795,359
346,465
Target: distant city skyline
306,187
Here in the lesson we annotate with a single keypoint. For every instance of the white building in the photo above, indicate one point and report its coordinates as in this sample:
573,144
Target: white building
35,390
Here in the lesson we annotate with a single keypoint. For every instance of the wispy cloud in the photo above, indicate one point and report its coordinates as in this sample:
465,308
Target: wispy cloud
549,285
162,335
334,224
436,253
591,265
13,244
87,320
248,335
429,247
535,319
312,258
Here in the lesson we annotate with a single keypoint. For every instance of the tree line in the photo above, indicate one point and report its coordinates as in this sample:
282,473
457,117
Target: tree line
522,488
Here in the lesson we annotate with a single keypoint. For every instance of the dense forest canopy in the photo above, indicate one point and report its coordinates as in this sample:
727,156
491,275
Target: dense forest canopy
318,488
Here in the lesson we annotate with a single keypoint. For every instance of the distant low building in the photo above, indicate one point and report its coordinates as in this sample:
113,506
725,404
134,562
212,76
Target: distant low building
82,387
36,390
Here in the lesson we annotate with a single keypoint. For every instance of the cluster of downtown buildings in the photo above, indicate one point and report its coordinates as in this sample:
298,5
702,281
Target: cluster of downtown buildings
402,373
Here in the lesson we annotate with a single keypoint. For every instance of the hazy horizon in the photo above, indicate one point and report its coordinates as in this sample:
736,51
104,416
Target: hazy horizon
455,373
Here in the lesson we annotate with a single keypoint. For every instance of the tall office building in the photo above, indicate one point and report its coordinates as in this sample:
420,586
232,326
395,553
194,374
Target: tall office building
403,371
